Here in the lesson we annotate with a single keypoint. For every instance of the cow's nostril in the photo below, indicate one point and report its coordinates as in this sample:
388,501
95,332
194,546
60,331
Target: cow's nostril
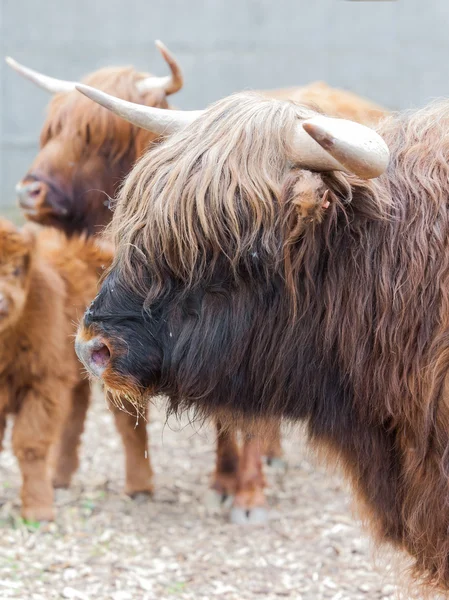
35,192
30,193
100,356
94,354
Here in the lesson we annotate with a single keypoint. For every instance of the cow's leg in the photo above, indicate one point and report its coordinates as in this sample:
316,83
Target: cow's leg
249,501
133,430
273,446
224,479
37,427
66,450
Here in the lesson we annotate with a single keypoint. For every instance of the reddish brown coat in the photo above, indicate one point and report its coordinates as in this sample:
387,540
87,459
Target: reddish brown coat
46,282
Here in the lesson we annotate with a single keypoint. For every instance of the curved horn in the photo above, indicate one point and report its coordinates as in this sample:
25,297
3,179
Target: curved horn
168,84
158,120
50,84
320,143
343,146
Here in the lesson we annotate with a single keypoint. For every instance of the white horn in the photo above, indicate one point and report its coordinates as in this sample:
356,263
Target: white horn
168,84
158,120
328,144
320,143
50,84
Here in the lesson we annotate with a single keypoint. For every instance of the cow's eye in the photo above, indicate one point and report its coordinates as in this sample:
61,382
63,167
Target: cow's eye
17,271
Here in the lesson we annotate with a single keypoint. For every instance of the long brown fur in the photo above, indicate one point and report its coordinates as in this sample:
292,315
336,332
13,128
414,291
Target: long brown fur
359,322
47,282
70,113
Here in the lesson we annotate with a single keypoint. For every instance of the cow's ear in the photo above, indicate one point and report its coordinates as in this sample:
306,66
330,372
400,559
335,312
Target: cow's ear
305,199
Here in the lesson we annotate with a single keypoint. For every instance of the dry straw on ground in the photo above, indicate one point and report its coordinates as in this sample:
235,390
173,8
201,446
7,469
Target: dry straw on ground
177,546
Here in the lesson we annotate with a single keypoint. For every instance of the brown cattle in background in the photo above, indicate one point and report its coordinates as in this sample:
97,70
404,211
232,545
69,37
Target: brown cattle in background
46,283
85,151
333,101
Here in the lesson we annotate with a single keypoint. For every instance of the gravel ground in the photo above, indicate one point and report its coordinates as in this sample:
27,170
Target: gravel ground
105,546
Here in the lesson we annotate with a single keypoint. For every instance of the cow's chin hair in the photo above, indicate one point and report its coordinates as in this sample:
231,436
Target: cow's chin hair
120,388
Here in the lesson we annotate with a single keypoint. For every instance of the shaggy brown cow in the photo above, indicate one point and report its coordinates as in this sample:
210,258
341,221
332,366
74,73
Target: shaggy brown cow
258,300
46,282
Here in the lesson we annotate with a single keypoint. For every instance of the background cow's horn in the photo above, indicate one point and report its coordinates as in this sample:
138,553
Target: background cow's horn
343,145
158,120
169,84
50,84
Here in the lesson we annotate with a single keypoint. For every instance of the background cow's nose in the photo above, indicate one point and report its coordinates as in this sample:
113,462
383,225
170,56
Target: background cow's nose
3,306
94,354
32,194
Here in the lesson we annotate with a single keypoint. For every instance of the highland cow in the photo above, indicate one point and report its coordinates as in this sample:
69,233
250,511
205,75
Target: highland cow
46,282
276,281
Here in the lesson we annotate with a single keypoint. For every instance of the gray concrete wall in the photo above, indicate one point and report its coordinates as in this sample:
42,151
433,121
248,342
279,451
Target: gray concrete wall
393,52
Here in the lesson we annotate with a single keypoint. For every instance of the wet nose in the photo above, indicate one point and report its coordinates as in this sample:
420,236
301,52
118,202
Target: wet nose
32,194
94,354
3,306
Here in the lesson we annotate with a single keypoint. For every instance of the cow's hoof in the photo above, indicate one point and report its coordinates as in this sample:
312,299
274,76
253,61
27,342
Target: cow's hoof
215,501
39,514
141,497
259,515
61,482
277,463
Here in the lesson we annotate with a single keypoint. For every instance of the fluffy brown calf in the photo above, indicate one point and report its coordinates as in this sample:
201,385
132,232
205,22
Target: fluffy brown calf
45,284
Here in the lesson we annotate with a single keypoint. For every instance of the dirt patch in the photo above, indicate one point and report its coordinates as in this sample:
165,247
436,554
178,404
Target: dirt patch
106,546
